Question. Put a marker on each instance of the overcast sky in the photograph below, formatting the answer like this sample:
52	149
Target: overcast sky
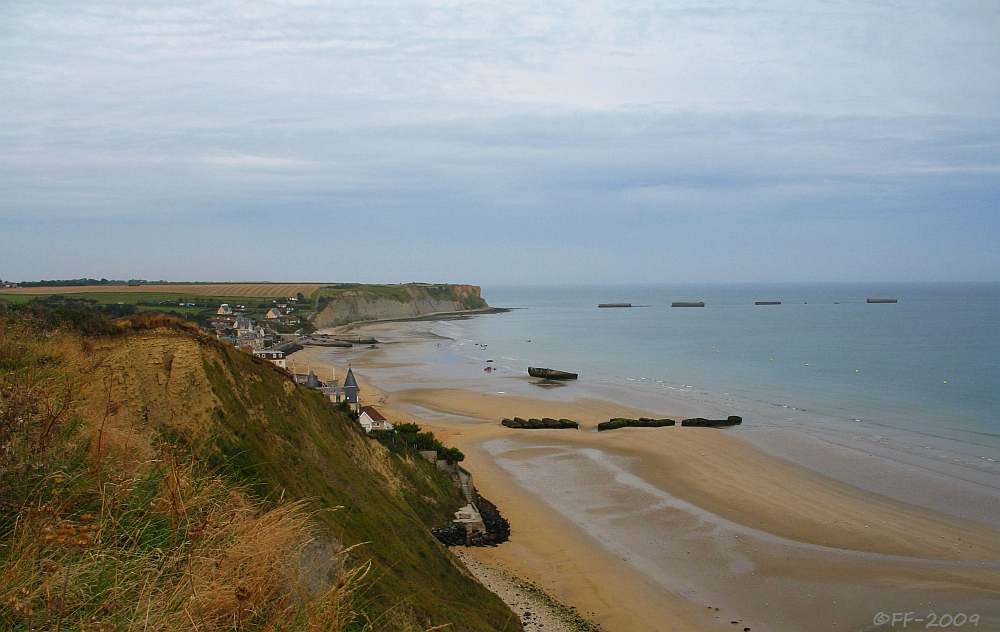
500	142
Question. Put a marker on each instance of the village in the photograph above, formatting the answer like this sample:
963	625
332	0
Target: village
478	523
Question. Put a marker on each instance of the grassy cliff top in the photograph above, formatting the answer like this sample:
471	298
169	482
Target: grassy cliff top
198	302
168	450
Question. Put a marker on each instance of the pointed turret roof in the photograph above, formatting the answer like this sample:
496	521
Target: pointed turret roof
349	381
311	380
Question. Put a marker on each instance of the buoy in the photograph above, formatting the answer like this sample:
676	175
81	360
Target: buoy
772	359
807	364
946	381
856	370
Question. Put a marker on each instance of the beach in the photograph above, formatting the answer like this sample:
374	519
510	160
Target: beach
692	528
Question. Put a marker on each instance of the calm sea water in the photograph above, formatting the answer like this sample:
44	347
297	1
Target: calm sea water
924	371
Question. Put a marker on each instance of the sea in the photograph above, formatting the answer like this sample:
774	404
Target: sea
897	399
921	374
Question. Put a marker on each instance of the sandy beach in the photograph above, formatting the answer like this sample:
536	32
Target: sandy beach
688	528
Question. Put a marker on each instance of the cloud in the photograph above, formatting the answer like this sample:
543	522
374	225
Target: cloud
554	129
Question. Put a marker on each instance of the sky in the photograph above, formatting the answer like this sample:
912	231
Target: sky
503	142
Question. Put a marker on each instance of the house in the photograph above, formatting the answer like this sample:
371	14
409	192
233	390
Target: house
274	357
244	345
225	309
372	419
273	313
351	389
309	380
242	324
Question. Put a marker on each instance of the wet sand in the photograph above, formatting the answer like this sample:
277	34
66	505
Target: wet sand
653	529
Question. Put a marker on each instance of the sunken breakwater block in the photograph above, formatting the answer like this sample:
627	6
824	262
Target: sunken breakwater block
701	422
688	304
642	422
550	374
534	424
882	300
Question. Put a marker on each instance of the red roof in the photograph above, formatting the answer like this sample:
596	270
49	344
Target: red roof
374	414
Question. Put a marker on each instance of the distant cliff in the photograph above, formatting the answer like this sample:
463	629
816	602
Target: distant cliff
348	303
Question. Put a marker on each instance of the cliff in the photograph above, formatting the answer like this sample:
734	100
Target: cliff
211	488
347	303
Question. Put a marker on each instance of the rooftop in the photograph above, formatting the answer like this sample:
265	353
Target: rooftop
372	413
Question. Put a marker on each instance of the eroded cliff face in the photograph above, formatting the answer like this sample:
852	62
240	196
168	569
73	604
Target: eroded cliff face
342	306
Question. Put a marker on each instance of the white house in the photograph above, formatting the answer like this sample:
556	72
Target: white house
225	309
272	356
372	419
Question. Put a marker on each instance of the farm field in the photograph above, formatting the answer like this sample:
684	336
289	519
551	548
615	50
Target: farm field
192	302
174	290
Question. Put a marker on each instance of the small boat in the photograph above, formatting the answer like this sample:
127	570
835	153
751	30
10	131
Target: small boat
767	303
882	300
687	304
615	305
550	374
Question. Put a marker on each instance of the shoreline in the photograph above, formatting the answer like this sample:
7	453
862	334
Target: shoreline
602	551
906	474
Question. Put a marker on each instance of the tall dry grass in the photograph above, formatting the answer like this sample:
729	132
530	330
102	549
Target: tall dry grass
87	545
166	550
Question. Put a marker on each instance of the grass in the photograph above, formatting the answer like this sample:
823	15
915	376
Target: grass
208	297
152	299
243	290
121	508
199	309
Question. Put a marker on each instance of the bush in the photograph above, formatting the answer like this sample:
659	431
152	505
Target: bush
408	436
345	408
451	455
42	318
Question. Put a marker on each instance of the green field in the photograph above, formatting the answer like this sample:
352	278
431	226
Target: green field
198	303
195	308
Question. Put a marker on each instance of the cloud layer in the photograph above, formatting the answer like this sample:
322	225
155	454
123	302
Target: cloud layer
500	142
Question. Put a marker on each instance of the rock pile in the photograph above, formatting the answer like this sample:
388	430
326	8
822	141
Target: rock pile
496	525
